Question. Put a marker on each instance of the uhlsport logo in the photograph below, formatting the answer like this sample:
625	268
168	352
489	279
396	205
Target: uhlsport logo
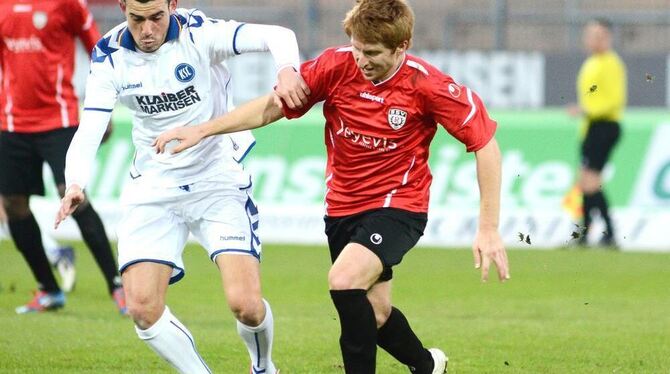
184	72
376	238
397	118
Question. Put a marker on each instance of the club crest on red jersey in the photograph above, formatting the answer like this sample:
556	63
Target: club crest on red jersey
40	20
397	118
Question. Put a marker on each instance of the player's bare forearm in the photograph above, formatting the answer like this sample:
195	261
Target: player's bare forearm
488	247
251	115
489	179
254	114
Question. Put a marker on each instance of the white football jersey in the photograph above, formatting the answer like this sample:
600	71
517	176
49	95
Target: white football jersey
185	82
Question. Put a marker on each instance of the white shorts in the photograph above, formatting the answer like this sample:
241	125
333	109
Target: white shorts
156	222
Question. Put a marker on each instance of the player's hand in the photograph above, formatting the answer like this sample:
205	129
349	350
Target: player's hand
574	110
488	248
177	139
74	196
291	88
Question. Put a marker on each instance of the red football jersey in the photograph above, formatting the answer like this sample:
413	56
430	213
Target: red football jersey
37	57
378	135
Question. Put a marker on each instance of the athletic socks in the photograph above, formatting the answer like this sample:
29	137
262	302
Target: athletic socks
174	343
93	233
598	201
397	338
259	343
26	235
358	339
50	247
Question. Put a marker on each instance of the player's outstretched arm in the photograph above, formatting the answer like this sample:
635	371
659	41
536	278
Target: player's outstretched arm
488	246
74	196
254	114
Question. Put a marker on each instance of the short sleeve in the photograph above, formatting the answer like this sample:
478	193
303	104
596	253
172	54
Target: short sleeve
317	75
461	112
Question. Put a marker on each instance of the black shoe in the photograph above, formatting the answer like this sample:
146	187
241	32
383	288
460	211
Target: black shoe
608	242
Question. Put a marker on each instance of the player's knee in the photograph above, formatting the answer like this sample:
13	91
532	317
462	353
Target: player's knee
248	310
16	207
340	280
382	313
145	310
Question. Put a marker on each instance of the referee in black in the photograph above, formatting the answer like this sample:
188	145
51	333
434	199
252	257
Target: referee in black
601	90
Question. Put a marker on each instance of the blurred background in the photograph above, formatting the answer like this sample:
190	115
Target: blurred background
521	56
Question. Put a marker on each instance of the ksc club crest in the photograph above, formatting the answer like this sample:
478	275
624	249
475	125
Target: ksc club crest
40	20
397	118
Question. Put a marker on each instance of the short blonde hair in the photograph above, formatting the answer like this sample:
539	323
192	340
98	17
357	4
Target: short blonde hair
389	22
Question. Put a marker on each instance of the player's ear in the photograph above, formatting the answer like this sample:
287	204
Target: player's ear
122	5
173	6
404	46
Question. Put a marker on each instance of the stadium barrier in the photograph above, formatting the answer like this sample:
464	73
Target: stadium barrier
540	161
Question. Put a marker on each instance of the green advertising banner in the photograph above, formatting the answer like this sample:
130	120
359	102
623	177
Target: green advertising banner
540	163
540	160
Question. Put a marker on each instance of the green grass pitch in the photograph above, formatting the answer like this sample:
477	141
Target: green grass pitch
563	312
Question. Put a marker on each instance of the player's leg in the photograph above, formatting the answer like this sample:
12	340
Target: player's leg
354	271
395	335
255	323
60	257
151	241
21	176
598	145
53	149
145	284
228	231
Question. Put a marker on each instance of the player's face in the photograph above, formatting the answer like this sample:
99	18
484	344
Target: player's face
149	22
376	61
596	38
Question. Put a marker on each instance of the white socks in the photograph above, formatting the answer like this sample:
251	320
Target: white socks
259	343
174	343
50	245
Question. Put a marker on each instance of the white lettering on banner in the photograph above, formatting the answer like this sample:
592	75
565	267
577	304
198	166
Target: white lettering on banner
542	185
502	79
653	184
638	229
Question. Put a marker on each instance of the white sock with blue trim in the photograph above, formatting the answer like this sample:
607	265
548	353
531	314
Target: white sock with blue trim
174	343
259	343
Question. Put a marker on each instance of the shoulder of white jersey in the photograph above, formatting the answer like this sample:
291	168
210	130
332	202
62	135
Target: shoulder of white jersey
193	20
108	44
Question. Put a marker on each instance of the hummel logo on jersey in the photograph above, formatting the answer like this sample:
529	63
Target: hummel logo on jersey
397	118
166	102
369	96
184	72
130	86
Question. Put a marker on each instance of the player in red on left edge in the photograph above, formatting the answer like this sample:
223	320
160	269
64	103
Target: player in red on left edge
39	114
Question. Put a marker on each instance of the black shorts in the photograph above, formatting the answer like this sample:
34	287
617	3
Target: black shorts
388	232
600	139
22	157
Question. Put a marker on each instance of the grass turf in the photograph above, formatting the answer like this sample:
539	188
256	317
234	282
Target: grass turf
562	312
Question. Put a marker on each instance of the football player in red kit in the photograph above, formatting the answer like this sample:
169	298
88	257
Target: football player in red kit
382	108
39	114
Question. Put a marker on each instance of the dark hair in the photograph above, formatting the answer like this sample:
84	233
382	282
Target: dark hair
603	22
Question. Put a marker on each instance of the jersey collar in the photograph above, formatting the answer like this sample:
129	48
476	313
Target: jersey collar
174	28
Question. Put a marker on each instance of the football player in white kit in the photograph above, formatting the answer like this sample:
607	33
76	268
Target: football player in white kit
166	65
